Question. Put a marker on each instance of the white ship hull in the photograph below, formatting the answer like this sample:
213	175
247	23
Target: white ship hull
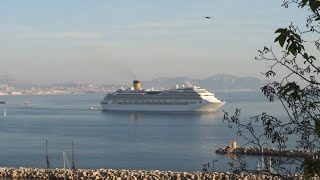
201	107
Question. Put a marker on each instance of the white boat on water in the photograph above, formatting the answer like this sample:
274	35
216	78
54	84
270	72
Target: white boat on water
94	108
27	102
193	99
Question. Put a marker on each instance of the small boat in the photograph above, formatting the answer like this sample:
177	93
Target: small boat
3	102
95	108
27	102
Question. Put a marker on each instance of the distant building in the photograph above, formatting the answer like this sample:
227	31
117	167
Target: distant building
15	93
6	87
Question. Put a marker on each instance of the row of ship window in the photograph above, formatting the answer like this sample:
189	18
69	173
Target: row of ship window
163	97
158	102
159	94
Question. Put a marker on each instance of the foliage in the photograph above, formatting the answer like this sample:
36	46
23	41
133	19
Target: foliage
296	87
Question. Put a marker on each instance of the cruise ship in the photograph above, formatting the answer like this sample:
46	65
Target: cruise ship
193	99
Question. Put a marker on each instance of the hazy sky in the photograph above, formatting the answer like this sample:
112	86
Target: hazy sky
52	41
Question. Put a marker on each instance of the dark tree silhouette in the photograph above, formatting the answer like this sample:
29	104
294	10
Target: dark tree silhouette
294	70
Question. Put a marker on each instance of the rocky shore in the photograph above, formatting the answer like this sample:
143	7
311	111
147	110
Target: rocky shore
99	174
265	151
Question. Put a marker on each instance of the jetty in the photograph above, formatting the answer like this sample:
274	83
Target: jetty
256	151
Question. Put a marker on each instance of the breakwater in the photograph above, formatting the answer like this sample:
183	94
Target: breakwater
99	174
266	151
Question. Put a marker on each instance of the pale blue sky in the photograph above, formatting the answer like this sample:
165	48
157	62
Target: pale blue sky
50	41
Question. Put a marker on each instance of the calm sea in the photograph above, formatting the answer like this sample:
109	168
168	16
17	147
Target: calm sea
118	140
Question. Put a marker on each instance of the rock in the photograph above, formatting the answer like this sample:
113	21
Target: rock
101	174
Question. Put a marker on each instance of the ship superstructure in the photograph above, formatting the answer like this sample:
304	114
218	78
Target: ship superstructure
176	99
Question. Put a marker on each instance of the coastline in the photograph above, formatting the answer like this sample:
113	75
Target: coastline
56	173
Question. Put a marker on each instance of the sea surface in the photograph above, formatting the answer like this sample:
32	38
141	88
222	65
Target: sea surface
119	140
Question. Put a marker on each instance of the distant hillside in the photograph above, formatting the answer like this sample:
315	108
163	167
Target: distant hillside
220	82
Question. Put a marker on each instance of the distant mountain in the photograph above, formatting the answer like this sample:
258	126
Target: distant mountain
219	82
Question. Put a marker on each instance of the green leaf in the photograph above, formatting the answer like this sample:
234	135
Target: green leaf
291	91
297	36
281	30
317	127
312	57
303	3
311	167
292	49
314	5
282	39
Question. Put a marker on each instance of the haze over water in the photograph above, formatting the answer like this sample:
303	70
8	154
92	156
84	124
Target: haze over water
114	42
118	140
